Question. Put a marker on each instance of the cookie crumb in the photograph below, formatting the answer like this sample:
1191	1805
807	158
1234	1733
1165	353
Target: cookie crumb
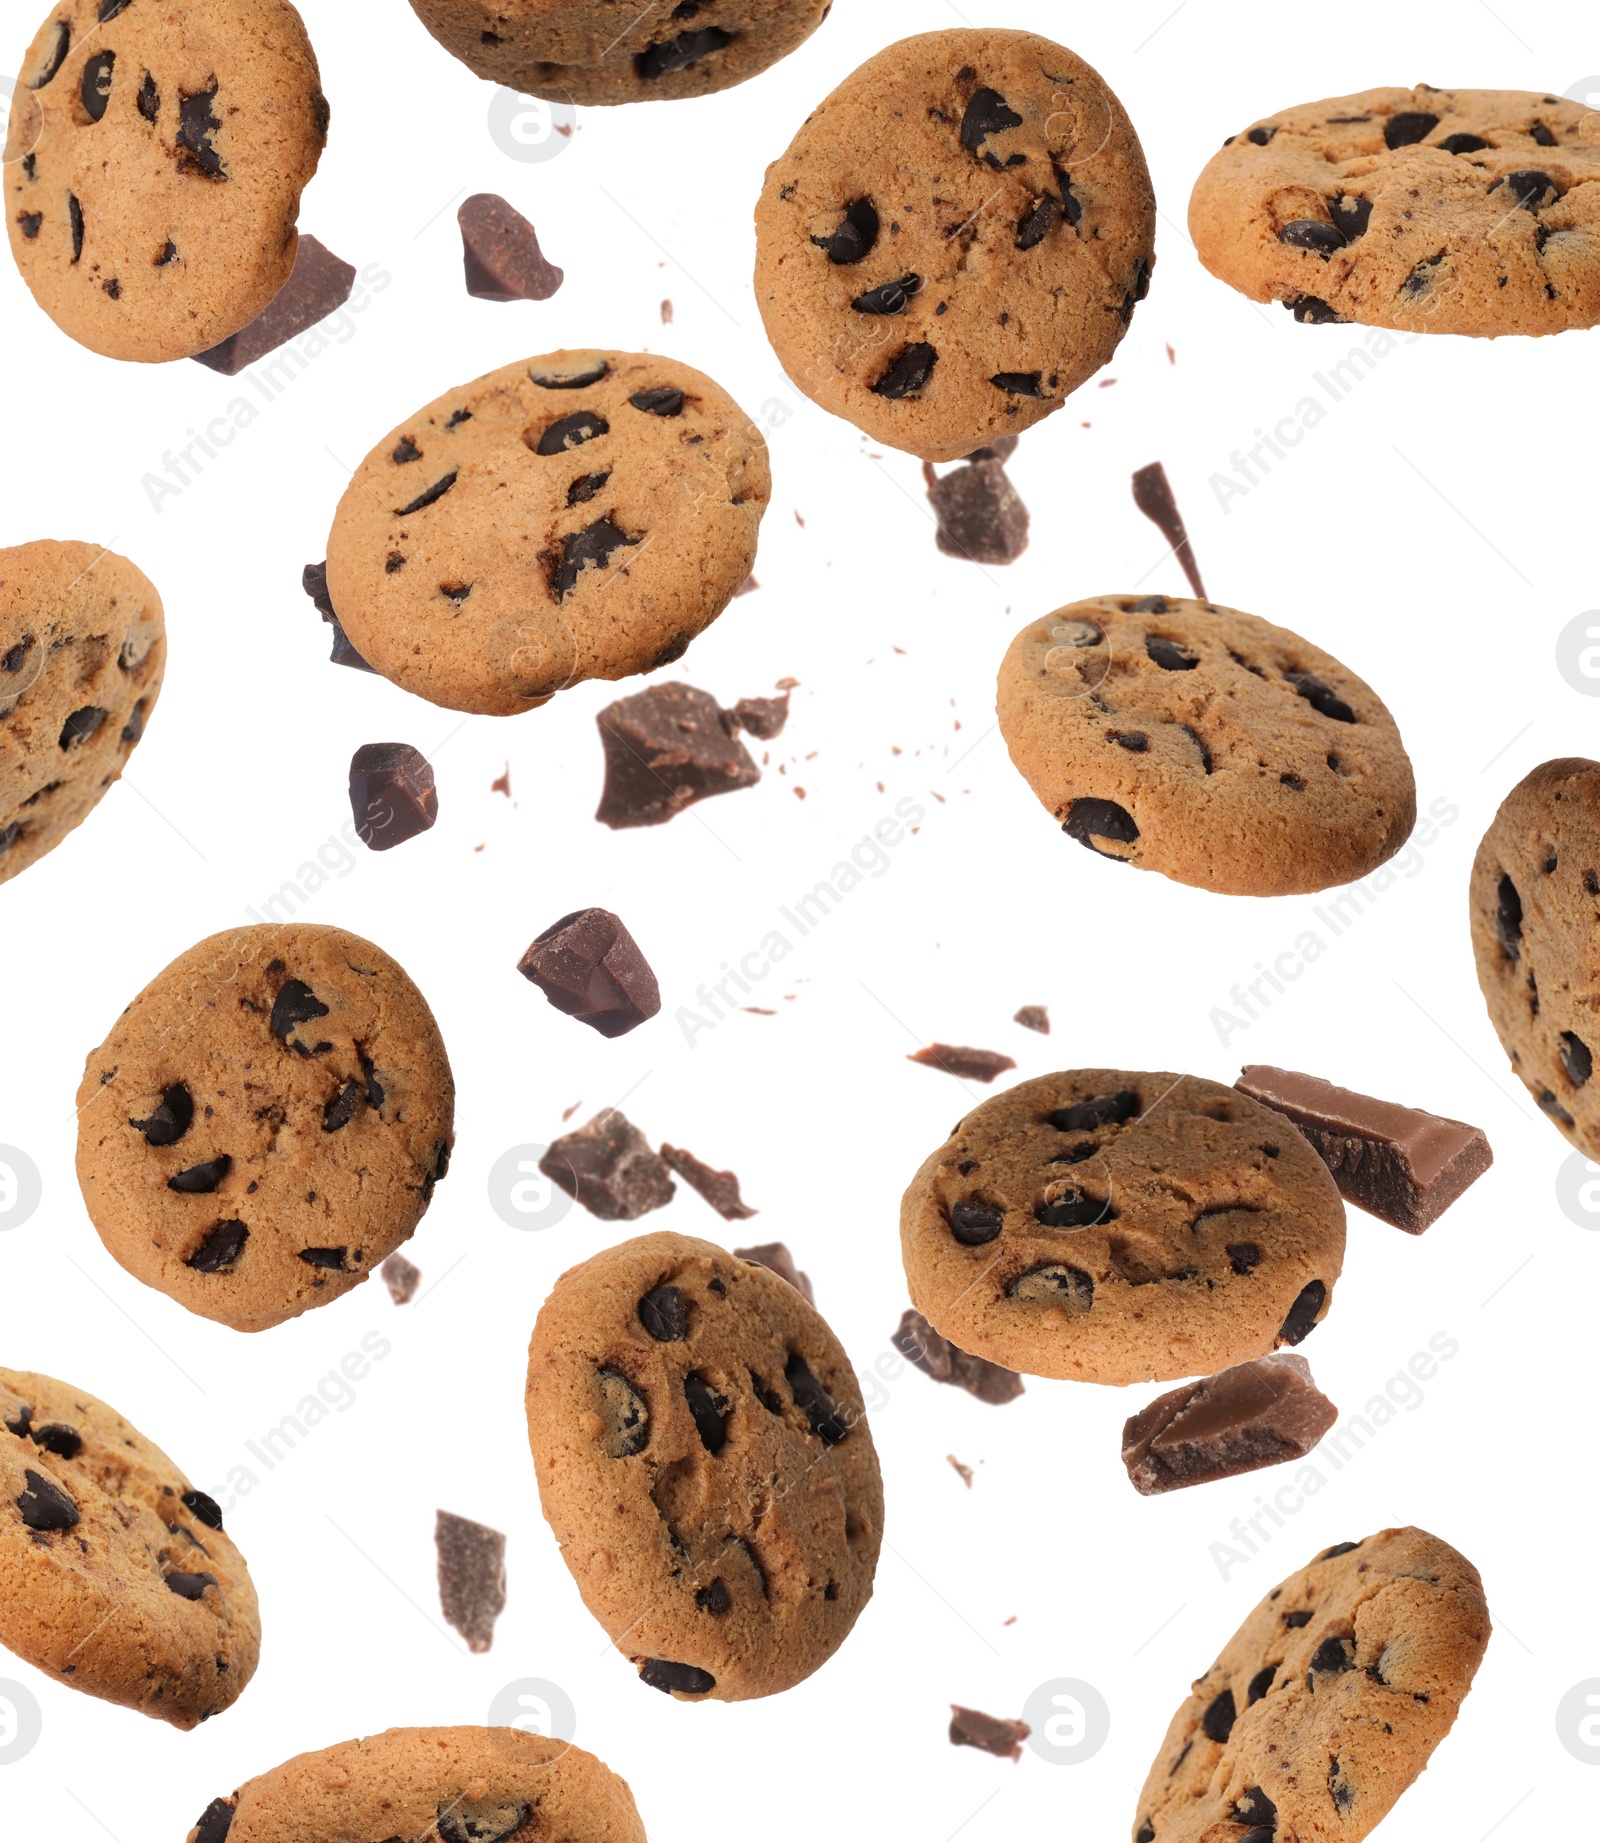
472	1577
964	1472
401	1278
989	1733
501	784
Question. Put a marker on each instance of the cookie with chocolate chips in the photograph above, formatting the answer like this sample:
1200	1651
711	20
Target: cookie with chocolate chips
582	515
153	168
453	1785
1102	1226
1429	211
1207	744
265	1123
1535	900
116	1575
82	648
704	1459
594	52
955	239
1327	1703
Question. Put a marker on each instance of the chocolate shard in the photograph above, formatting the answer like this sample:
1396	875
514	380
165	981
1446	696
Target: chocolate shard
401	1278
590	967
981	519
472	1577
1254	1415
1034	1017
392	794
500	250
957	1059
719	1188
1152	494
314	580
936	1356
991	1733
1397	1163
665	749
609	1168
776	1256
763	718
318	285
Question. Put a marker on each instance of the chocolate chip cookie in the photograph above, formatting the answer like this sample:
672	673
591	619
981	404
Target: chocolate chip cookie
82	649
582	515
155	158
1535	904
1101	1226
1431	211
607	51
116	1576
433	1785
705	1462
1207	744
1327	1702
265	1123
955	239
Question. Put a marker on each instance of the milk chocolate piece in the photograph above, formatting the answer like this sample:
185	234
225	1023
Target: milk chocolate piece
1034	1017
392	794
959	1060
1397	1163
314	580
1152	494
589	966
472	1577
609	1167
991	1733
318	285
762	718
665	749
1257	1414
775	1254
980	516
401	1278
719	1188
500	249
936	1356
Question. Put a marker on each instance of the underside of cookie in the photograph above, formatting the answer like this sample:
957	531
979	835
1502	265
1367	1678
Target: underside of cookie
1422	210
1207	744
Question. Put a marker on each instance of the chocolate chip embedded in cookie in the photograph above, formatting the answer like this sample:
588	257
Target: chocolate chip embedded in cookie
1207	744
955	239
1101	1226
82	648
1327	1703
580	515
704	1460
1433	211
265	1123
154	164
116	1576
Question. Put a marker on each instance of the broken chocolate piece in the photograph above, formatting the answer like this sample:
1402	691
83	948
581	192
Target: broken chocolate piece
719	1188
401	1278
936	1356
609	1167
968	1064
1397	1163
392	794
972	1728
762	718
590	967
44	1504
676	1679
665	749
980	516
314	580
775	1255
1034	1017
472	1577
1254	1415
1152	494
318	285
500	250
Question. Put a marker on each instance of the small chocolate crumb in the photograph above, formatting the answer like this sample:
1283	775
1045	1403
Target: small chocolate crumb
763	718
401	1278
957	1059
963	1472
1034	1017
990	1733
472	1577
719	1188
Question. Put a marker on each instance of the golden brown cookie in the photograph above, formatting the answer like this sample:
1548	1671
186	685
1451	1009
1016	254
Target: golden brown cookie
116	1576
705	1462
1328	1701
155	158
955	239
1207	744
83	644
1101	1226
265	1123
1432	211
581	515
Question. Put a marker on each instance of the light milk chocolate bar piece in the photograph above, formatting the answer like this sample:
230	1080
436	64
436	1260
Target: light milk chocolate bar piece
1254	1415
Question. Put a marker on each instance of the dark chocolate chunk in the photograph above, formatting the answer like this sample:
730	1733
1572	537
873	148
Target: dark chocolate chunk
487	1821
1054	1284
201	1180
501	254
55	57
975	1223
1576	1059
989	1733
988	113
1351	213
664	1313
1531	189
333	1259
856	236
197	122
392	794
1039	222
75	217
1312	234
936	1356
665	749
775	1256
1074	1210
1332	1658
81	726
1089	819
1019	383
56	1437
1244	1256
95	87
763	718
148	103
709	1411
472	1578
109	9
1408	127
204	1508
189	1586
888	297
215	1822
30	222
402	1278
1146	1833
589	966
907	372
582	491
1256	1414
314	580
318	285
1169	655
1508	918
980	516
429	497
1217	1722
1152	494
714	1599
1338	1549
170	1118
609	1168
1461	144
221	1247
719	1188
676	1679
626	1417
44	1504
297	1004
594	547
1321	697
344	1106
963	1062
572	432
1302	1319
1310	311
579	378
664	400
814	1401
1253	1806
659	60
1102	1110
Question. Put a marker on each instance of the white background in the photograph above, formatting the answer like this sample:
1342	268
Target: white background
1436	531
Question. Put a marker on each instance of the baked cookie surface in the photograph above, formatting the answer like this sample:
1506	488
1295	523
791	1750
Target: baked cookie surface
1328	1701
430	1785
1102	1226
705	1462
116	1577
1207	744
955	239
265	1123
154	164
581	515
607	51
1535	899
82	648
1431	211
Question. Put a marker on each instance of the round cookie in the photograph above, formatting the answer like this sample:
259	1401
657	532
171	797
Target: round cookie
581	515
955	240
607	51
154	164
116	1577
1206	744
1327	1703
82	648
704	1460
1430	211
431	1785
265	1123
1101	1226
1535	899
